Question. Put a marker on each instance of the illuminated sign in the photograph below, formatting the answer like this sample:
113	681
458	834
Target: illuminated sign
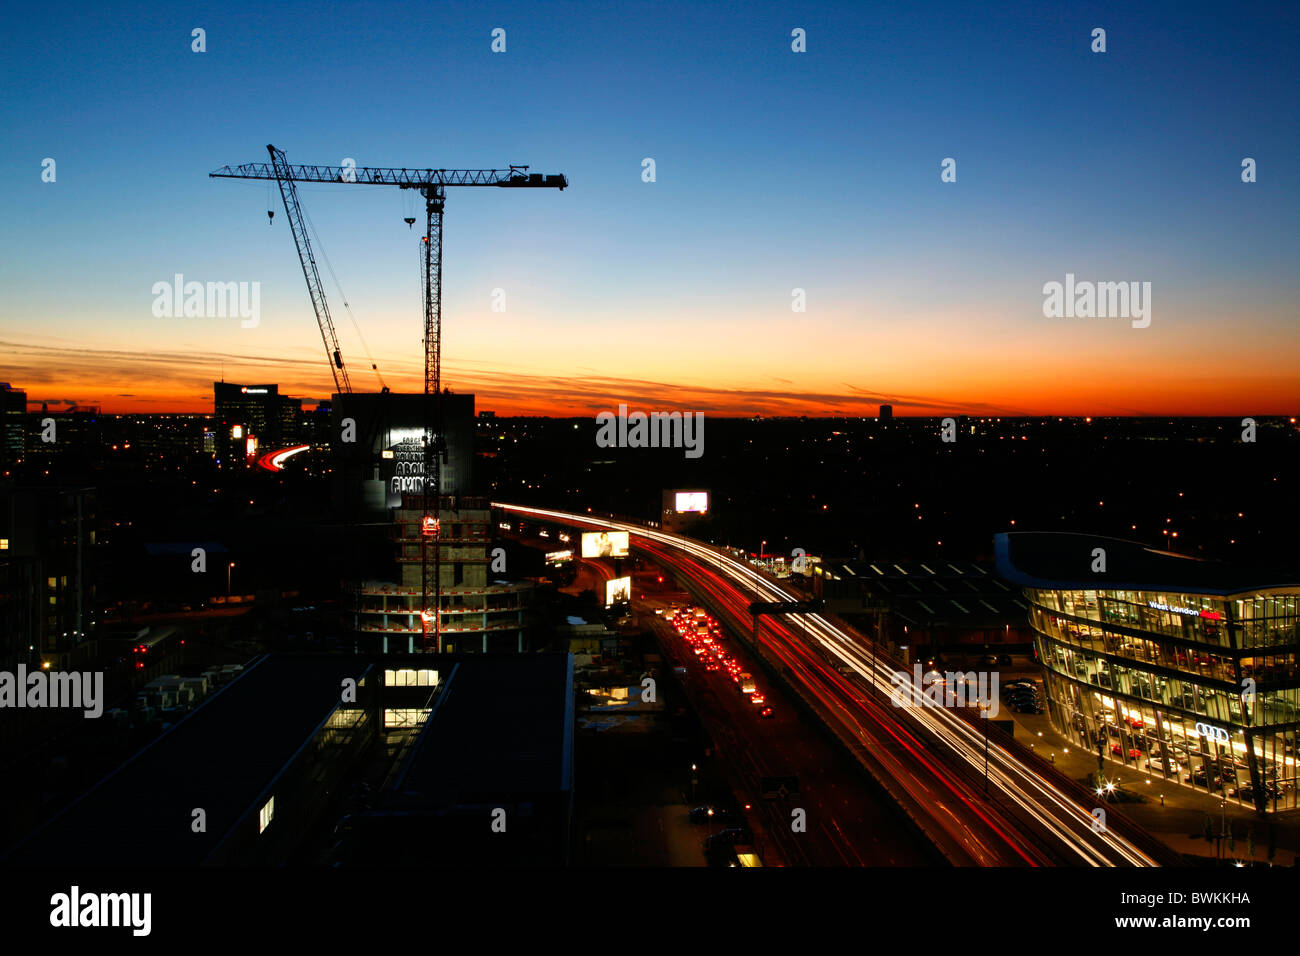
1212	733
398	435
604	544
697	501
618	591
558	556
251	445
407	455
252	391
1189	611
237	431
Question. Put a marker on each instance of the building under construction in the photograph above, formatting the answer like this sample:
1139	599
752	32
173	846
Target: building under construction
378	457
481	611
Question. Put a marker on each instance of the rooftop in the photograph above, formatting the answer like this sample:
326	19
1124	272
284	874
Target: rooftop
1064	561
501	725
220	757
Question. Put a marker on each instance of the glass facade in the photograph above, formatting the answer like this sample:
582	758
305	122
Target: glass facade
1190	688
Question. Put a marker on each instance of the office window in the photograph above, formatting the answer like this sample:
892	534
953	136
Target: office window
266	815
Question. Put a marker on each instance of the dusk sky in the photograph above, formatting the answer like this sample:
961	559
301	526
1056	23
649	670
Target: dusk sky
775	170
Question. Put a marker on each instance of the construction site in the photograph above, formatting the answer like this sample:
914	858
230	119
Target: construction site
410	456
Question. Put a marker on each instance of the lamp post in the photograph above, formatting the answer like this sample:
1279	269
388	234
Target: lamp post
228	569
984	712
1223	822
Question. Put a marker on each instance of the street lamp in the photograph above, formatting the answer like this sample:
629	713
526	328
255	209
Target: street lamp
984	712
228	567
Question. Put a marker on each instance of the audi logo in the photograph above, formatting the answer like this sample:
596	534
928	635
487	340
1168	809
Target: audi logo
1214	733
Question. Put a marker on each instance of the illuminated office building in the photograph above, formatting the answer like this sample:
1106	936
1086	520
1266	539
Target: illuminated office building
1177	667
252	419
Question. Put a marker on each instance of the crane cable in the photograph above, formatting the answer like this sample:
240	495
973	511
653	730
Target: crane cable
344	299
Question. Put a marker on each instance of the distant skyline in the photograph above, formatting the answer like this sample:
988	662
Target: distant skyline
775	171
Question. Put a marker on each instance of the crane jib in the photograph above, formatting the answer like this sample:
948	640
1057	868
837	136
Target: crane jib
407	178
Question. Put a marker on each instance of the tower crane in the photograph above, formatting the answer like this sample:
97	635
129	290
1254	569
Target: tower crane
315	289
432	184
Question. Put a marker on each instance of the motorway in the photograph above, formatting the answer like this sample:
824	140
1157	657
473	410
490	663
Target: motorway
930	758
848	822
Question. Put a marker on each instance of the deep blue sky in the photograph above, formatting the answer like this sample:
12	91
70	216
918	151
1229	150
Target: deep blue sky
775	170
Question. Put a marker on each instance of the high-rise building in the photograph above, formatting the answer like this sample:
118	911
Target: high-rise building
48	599
253	419
886	412
13	416
377	455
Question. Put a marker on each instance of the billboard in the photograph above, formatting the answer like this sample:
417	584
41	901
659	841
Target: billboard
604	544
692	501
618	591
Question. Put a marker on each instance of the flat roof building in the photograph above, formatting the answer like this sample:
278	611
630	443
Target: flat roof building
490	779
927	607
255	757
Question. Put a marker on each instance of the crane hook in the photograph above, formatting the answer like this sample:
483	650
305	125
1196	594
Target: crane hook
270	215
410	221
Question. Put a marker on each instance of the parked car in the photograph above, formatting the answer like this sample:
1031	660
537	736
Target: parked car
1164	764
1021	693
1004	660
1247	792
1199	778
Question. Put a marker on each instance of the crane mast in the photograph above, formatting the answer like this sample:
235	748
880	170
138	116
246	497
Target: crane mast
432	185
434	444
